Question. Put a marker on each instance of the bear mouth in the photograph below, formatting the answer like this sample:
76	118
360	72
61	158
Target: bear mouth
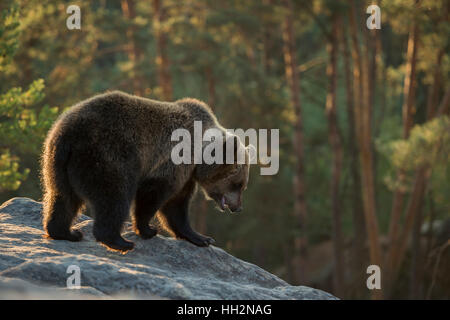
222	203
220	200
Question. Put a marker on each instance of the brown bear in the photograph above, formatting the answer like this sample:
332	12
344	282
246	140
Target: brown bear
112	153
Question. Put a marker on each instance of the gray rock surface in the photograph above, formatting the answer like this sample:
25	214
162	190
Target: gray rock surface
36	268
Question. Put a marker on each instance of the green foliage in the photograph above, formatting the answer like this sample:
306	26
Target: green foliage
22	127
9	33
427	145
10	177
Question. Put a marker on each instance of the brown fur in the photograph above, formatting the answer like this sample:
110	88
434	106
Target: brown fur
114	149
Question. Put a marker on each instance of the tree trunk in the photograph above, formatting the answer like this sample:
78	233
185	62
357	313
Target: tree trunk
134	52
359	237
409	91
431	220
414	205
397	204
363	127
292	75
383	86
445	103
162	59
371	57
336	147
432	99
415	280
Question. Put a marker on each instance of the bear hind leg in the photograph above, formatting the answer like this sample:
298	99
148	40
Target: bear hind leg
59	213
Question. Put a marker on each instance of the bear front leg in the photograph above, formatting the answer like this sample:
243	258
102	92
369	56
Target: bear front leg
176	214
149	197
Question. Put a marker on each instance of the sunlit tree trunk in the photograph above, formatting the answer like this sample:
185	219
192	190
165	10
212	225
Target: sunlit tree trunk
363	127
371	56
383	83
292	75
134	52
336	147
394	248
162	59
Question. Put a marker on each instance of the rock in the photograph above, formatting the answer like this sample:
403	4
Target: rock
34	267
13	289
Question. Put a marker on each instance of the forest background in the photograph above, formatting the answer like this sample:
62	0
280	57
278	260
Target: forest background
363	116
